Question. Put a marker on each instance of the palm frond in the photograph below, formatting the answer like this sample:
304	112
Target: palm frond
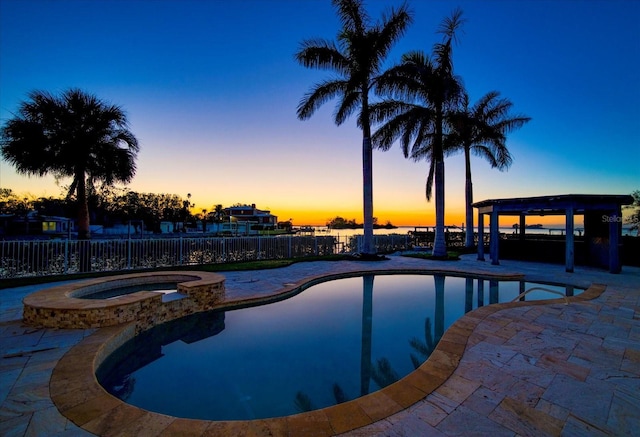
430	178
452	25
320	94
485	152
393	129
352	15
391	29
349	104
322	54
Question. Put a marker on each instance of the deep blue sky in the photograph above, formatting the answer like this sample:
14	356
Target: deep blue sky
211	89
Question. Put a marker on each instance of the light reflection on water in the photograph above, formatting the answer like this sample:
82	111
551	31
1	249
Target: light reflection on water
335	341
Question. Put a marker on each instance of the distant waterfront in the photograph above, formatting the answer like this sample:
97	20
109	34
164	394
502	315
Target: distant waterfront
553	230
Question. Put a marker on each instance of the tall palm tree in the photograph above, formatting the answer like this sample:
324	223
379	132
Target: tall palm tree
357	58
634	218
74	135
482	129
425	93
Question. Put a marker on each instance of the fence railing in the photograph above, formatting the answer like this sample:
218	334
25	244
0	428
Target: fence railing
60	257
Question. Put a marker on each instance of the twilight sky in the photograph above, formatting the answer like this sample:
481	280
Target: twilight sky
211	89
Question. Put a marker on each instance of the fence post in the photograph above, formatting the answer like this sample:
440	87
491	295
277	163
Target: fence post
180	252
289	253
129	251
65	267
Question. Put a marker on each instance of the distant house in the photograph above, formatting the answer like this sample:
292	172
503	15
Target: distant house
256	219
167	227
52	225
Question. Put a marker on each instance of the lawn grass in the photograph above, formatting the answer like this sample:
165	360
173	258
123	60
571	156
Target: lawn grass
223	267
451	256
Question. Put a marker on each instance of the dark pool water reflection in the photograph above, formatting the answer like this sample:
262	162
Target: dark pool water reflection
335	341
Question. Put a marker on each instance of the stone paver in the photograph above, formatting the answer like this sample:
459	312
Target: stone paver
537	370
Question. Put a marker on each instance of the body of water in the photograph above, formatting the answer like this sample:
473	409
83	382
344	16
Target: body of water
335	341
550	230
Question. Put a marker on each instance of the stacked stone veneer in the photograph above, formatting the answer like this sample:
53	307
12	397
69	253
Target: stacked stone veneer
63	306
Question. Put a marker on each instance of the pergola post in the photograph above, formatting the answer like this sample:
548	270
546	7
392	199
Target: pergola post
569	243
614	241
494	238
592	206
480	236
523	226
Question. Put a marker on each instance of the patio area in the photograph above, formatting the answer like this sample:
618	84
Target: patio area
532	370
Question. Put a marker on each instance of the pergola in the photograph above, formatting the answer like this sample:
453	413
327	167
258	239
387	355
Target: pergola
599	211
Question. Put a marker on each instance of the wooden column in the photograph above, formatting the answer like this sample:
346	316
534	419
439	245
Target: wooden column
615	227
494	238
480	236
569	243
522	228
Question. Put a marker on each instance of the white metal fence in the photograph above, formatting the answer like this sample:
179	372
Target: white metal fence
59	257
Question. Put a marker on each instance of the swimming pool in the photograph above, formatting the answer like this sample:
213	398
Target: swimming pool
335	341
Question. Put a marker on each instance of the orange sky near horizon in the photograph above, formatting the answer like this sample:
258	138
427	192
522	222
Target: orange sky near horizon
411	217
397	218
401	208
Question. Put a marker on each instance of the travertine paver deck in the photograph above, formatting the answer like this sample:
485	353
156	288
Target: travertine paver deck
534	370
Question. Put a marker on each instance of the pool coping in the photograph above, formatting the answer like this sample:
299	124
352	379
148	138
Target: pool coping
78	396
64	306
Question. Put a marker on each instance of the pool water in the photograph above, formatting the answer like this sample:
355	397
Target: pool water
335	341
109	293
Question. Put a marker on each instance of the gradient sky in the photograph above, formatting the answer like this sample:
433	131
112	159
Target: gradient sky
211	90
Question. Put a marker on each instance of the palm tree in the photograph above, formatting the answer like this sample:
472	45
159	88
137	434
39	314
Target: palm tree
357	58
74	135
426	92
218	213
634	219
482	130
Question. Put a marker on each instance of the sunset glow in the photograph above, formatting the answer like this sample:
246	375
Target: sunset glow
211	89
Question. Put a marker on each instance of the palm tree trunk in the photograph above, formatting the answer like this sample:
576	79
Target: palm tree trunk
439	244
468	197
367	174
84	234
367	189
83	209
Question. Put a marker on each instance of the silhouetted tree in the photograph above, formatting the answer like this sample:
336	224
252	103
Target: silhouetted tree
357	58
482	129
634	219
426	92
74	135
